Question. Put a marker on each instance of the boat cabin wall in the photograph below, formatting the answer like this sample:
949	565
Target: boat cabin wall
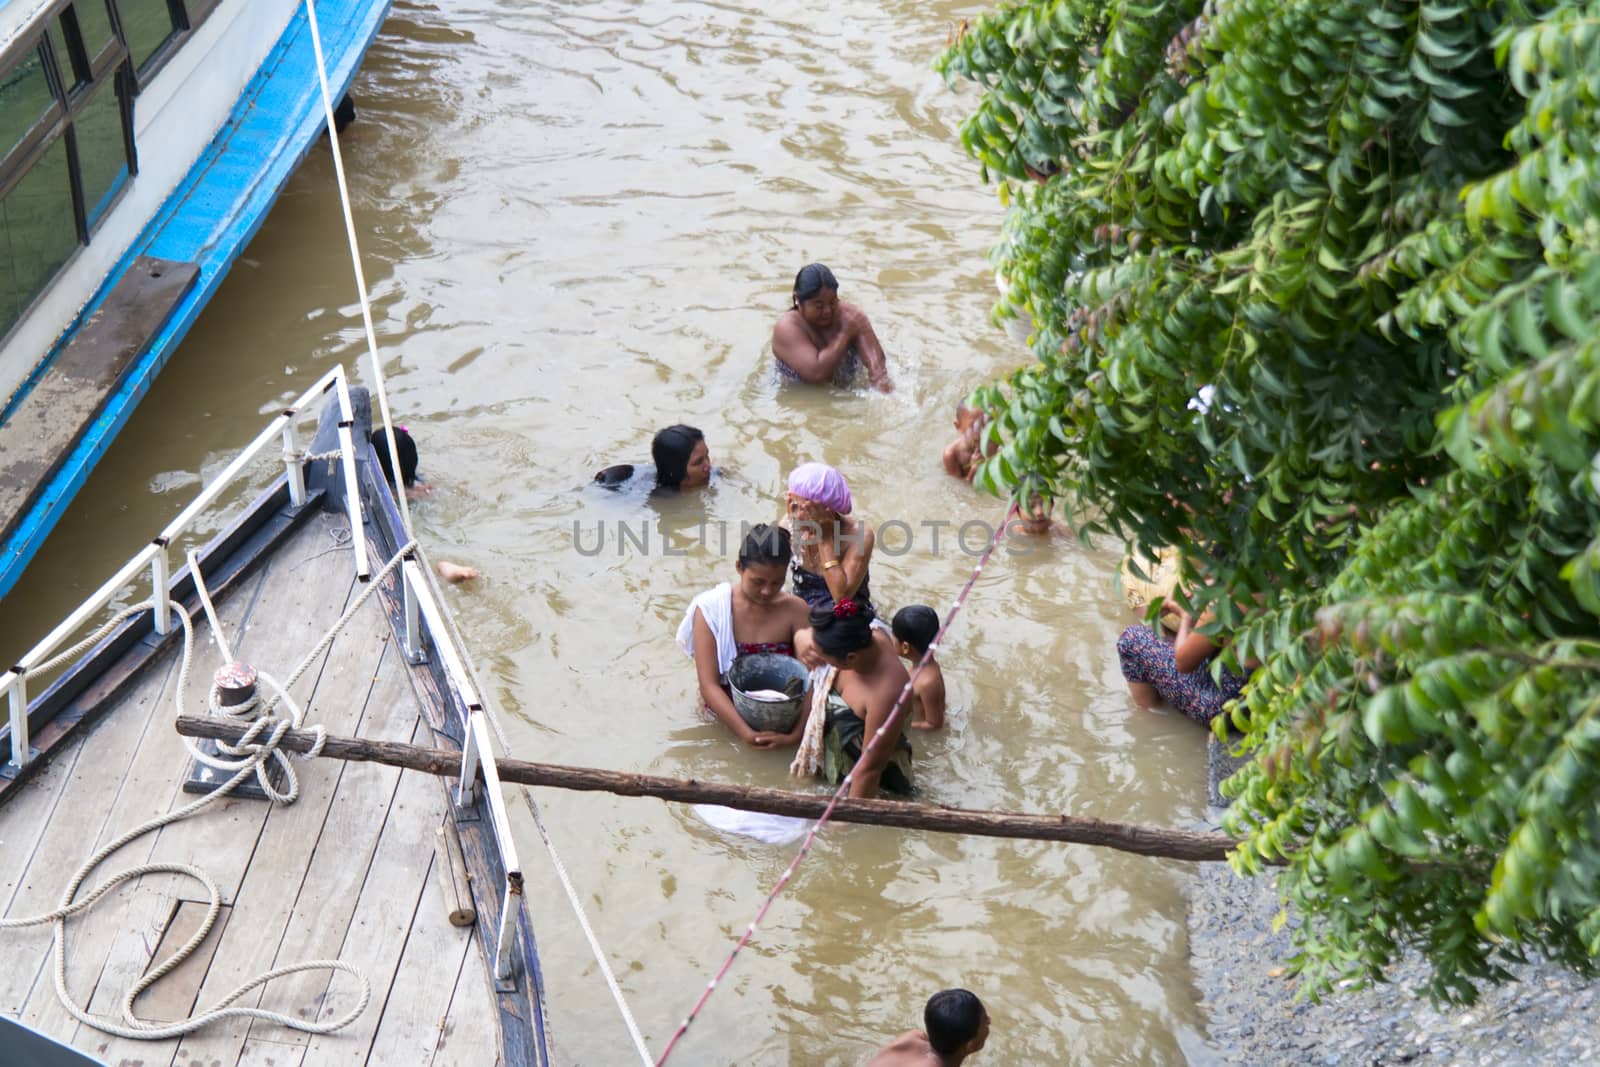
187	88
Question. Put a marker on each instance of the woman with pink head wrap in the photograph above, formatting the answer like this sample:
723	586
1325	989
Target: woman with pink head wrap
832	549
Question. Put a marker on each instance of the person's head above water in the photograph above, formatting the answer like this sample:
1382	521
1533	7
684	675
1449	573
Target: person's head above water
969	417
916	626
821	484
843	634
681	457
812	281
955	1022
764	562
408	455
816	295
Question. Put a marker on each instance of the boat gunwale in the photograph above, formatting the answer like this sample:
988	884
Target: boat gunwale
219	248
520	1010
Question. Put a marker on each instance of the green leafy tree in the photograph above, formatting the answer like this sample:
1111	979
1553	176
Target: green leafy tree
1314	284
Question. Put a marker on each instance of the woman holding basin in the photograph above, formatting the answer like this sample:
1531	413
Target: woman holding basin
752	616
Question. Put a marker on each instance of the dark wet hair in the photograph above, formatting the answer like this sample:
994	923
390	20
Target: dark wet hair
837	635
765	546
916	625
812	279
952	1018
671	450
408	455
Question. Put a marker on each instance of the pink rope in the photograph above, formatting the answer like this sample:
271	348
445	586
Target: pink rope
844	787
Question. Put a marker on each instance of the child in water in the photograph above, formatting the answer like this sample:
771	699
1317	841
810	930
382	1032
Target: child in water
962	455
414	487
867	682
914	630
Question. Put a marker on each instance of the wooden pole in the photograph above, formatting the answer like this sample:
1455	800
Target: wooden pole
1128	837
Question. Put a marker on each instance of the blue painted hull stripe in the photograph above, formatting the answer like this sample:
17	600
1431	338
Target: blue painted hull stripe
208	220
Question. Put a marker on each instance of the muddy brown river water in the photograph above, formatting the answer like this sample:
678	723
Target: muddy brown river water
579	222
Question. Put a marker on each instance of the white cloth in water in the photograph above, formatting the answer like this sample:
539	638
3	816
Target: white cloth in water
771	695
808	760
716	605
773	829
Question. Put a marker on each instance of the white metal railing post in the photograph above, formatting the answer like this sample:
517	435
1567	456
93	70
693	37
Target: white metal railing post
504	958
413	614
442	643
469	770
292	466
352	487
155	556
20	748
160	575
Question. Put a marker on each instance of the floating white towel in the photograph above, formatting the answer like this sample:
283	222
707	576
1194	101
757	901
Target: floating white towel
773	829
716	606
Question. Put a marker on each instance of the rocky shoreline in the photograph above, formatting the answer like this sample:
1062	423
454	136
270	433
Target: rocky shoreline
1549	1016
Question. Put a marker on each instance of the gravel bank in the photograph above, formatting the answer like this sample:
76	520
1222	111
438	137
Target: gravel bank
1549	1016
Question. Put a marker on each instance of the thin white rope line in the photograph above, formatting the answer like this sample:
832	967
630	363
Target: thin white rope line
588	932
136	1028
555	857
211	612
372	585
355	263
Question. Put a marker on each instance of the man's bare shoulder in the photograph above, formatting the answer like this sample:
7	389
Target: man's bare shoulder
910	1049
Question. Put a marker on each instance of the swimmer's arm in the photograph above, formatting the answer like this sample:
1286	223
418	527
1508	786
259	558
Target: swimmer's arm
930	696
1190	650
705	669
846	578
815	366
872	354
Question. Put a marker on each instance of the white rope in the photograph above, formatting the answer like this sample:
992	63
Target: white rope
555	858
133	1026
355	262
405	508
249	757
588	932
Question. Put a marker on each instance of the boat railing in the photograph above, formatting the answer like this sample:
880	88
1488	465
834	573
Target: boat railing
425	627
424	618
157	555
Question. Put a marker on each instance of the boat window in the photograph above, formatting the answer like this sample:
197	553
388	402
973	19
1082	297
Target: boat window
102	151
94	24
74	59
24	98
146	26
38	231
94	21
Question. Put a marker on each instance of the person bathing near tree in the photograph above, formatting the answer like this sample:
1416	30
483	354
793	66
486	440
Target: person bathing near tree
821	339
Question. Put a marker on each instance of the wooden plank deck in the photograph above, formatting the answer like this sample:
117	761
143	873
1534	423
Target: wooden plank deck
344	872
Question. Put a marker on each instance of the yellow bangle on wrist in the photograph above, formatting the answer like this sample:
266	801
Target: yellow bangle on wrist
830	564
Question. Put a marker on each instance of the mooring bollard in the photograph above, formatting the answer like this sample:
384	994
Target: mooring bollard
236	684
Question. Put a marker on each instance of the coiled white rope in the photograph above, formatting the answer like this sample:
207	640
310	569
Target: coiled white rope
250	753
132	1026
